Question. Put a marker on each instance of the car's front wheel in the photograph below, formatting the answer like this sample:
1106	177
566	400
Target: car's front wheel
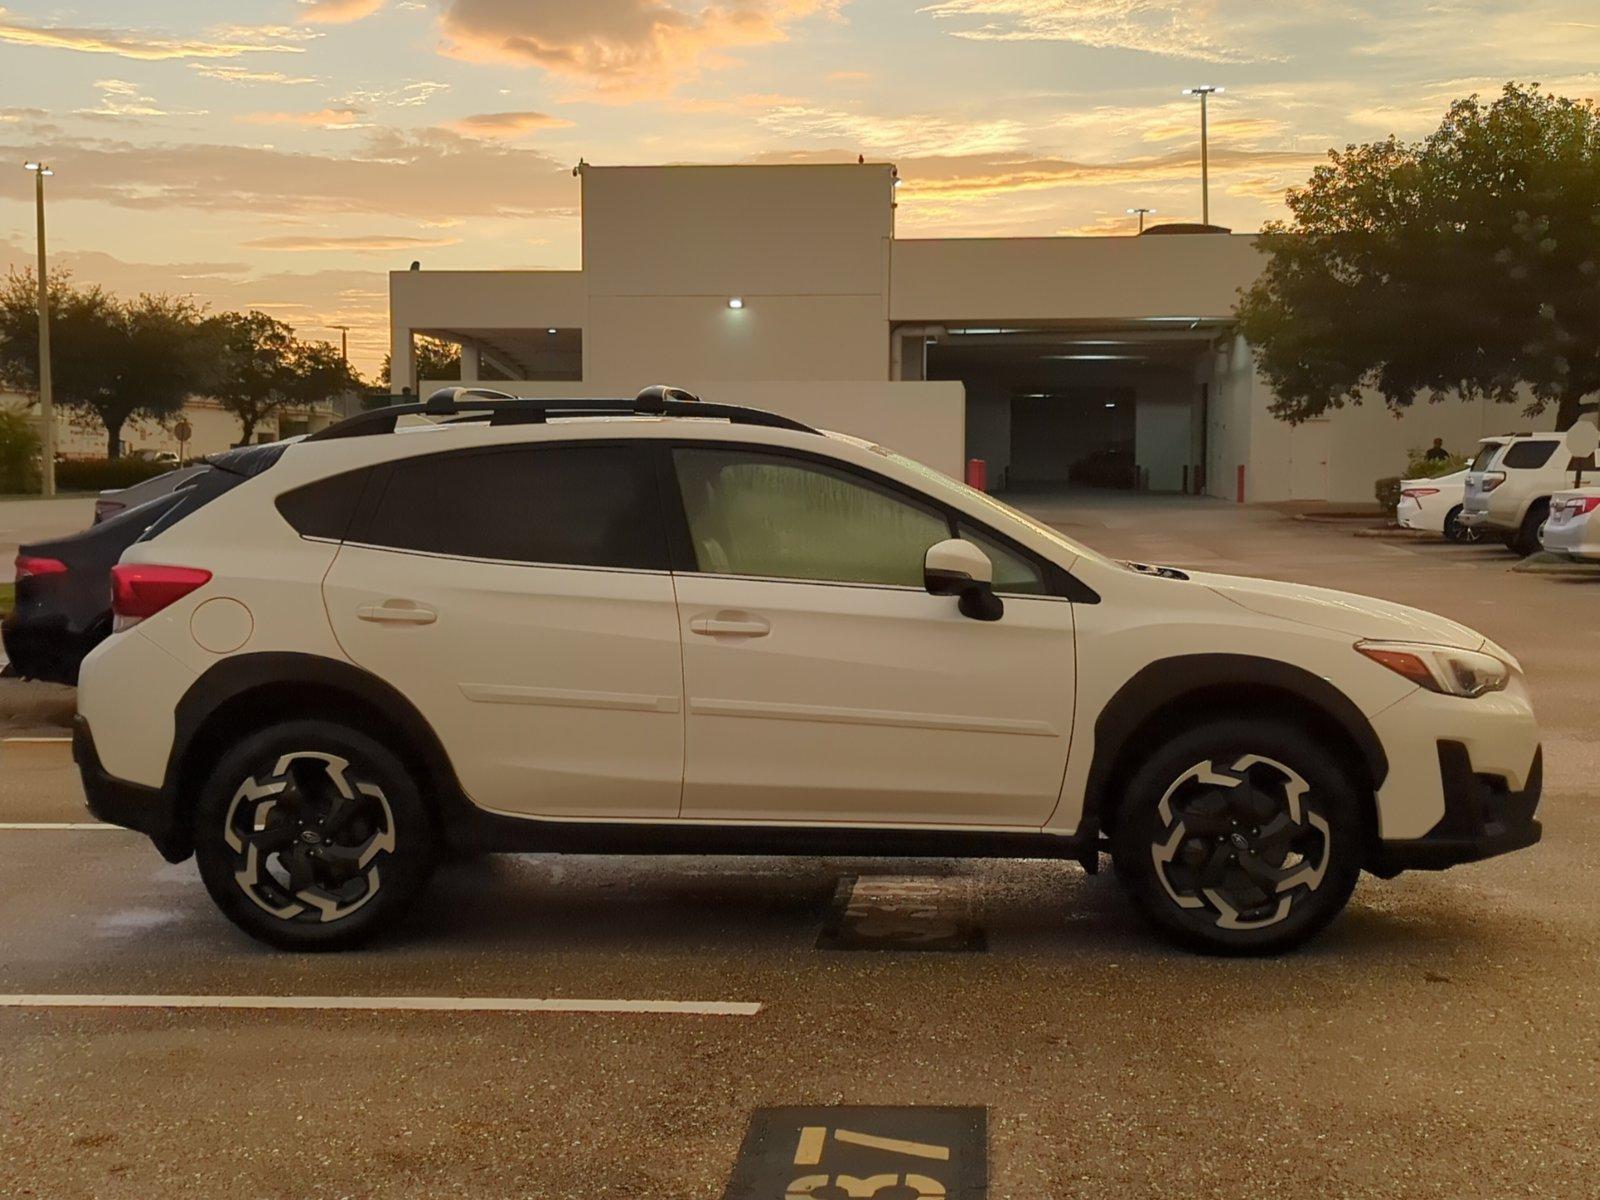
1239	837
312	836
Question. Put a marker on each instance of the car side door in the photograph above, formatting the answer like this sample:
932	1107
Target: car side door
824	684
519	597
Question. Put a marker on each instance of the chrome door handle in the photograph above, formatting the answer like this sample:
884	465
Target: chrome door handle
722	625
397	613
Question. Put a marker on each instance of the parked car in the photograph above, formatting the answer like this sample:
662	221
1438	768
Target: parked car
1509	485
63	594
663	626
155	456
115	500
1574	525
1434	506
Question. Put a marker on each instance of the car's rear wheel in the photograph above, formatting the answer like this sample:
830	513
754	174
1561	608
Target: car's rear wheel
1240	837
1526	541
1455	531
312	836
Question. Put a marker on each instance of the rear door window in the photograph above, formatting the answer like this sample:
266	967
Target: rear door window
569	504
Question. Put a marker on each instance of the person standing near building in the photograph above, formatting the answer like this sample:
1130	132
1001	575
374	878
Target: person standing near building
1436	451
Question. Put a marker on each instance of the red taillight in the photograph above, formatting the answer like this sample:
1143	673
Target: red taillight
1418	493
1490	482
140	590
1579	505
29	565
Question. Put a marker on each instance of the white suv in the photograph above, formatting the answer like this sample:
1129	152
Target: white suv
658	625
1509	485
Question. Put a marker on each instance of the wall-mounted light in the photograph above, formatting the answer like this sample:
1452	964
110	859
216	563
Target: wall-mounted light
735	302
1111	404
551	331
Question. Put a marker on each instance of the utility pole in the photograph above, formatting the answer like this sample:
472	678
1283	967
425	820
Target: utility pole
1142	212
1205	91
47	407
344	341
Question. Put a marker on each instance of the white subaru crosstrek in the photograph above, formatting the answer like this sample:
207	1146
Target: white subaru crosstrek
658	625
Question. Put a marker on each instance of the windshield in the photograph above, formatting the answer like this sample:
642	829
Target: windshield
1485	453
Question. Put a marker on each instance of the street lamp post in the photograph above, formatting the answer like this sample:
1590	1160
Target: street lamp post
1205	91
47	408
1143	213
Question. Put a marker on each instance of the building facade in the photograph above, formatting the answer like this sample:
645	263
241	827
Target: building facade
1099	361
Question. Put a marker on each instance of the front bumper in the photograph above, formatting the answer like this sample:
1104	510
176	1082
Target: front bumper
1483	817
150	811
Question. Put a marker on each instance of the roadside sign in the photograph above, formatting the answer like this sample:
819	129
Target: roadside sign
183	431
863	1153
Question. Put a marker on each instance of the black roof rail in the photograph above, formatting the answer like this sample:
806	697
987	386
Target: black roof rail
498	408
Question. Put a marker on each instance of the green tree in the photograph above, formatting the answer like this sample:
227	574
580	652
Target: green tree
19	451
253	373
1465	265
436	359
115	360
318	372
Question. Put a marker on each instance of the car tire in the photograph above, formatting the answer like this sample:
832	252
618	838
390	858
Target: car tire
313	836
1455	531
1526	541
1240	837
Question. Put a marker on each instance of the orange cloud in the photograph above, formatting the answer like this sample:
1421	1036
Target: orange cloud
326	118
336	12
358	244
504	124
230	43
1173	28
626	48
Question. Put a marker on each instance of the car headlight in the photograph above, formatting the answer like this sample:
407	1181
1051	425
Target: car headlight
1443	669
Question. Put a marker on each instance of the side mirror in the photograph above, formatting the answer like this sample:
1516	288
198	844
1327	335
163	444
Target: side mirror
957	568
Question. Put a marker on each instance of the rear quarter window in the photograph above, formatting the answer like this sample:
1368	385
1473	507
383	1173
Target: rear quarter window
324	509
1526	456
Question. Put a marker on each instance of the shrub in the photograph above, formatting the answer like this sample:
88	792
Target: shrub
19	452
1387	491
98	474
1419	466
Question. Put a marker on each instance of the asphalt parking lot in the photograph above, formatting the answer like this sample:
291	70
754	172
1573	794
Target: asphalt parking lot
1441	1040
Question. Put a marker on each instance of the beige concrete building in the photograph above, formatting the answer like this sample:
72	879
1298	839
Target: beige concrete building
1100	361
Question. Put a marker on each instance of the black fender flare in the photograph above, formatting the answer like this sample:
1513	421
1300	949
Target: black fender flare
232	678
1169	681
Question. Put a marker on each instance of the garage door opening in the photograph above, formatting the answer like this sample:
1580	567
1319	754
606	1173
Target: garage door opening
1101	406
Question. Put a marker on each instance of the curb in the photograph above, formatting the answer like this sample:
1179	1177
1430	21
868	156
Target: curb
1545	563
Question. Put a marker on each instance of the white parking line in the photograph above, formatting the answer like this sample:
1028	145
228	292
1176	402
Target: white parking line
6	826
509	1004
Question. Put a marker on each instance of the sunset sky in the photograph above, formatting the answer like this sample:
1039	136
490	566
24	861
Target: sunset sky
285	154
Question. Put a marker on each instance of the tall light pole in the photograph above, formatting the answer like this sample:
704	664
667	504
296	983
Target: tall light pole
344	341
1205	91
1143	212
47	407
